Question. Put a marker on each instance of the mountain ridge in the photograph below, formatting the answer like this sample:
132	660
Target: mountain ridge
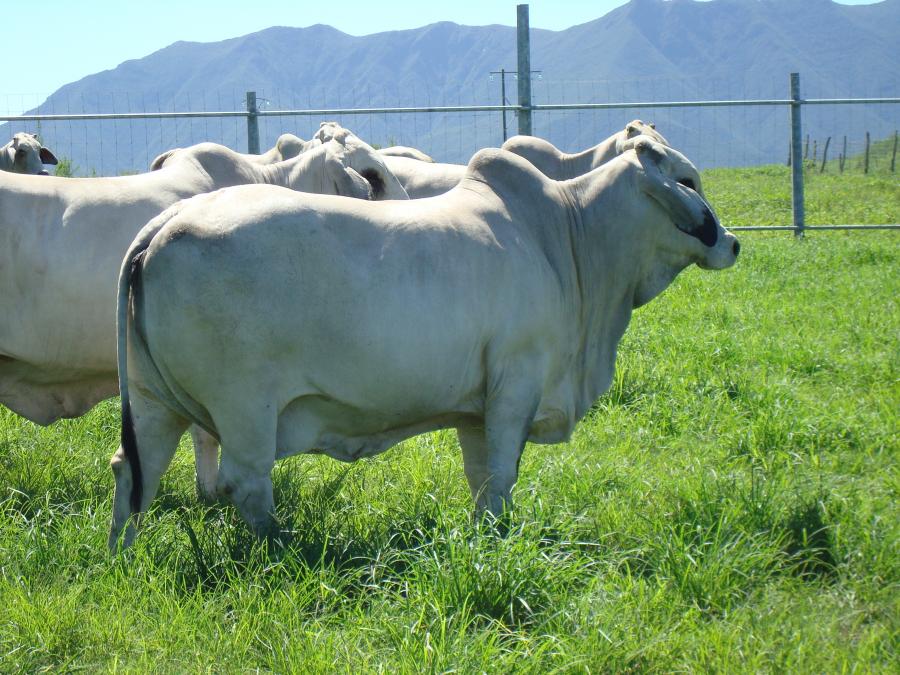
682	48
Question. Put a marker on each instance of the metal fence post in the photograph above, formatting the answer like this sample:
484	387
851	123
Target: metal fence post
503	101
523	46
252	124
797	157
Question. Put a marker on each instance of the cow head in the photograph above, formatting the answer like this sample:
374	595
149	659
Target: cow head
688	229
25	154
634	129
364	159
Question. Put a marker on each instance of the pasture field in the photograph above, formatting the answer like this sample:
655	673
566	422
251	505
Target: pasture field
731	505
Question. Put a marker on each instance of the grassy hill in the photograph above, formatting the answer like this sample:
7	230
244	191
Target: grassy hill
730	505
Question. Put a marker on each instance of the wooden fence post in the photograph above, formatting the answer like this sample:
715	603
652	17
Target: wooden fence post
825	154
866	165
843	157
894	153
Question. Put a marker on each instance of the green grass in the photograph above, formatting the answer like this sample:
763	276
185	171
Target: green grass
762	196
729	506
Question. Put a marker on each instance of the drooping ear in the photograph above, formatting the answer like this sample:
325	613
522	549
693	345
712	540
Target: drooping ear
344	180
48	157
687	209
347	182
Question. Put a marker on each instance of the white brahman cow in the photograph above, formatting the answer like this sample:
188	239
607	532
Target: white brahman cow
420	179
61	246
287	146
425	179
559	165
405	151
359	156
495	308
25	154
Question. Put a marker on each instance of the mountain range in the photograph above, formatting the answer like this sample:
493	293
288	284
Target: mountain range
645	50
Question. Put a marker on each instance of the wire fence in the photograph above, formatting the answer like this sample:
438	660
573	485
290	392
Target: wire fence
715	123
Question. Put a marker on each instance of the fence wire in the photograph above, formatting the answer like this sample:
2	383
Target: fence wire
748	126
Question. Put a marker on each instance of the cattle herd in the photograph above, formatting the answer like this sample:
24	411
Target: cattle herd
327	297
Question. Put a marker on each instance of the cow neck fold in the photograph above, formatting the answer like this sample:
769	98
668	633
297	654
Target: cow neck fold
580	163
275	174
586	247
291	173
605	258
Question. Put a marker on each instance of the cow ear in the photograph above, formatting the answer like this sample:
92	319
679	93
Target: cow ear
687	209
157	163
347	182
651	125
48	157
354	185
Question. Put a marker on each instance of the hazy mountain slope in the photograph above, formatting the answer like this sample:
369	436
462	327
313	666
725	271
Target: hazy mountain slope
645	50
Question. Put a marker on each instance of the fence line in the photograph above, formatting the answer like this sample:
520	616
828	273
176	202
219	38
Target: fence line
540	107
252	113
792	228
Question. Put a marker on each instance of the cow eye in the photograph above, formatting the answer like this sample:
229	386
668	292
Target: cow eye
687	182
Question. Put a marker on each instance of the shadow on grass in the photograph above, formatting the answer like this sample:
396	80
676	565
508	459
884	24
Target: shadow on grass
810	546
316	534
421	552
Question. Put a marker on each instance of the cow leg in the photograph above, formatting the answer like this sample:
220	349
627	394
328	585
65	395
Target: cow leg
206	457
245	473
157	431
491	461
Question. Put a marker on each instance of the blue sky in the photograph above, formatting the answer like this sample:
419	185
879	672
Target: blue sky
54	42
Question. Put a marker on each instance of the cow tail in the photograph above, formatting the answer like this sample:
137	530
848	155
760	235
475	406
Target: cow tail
128	292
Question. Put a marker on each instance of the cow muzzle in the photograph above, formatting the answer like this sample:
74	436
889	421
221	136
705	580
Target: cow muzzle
723	254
